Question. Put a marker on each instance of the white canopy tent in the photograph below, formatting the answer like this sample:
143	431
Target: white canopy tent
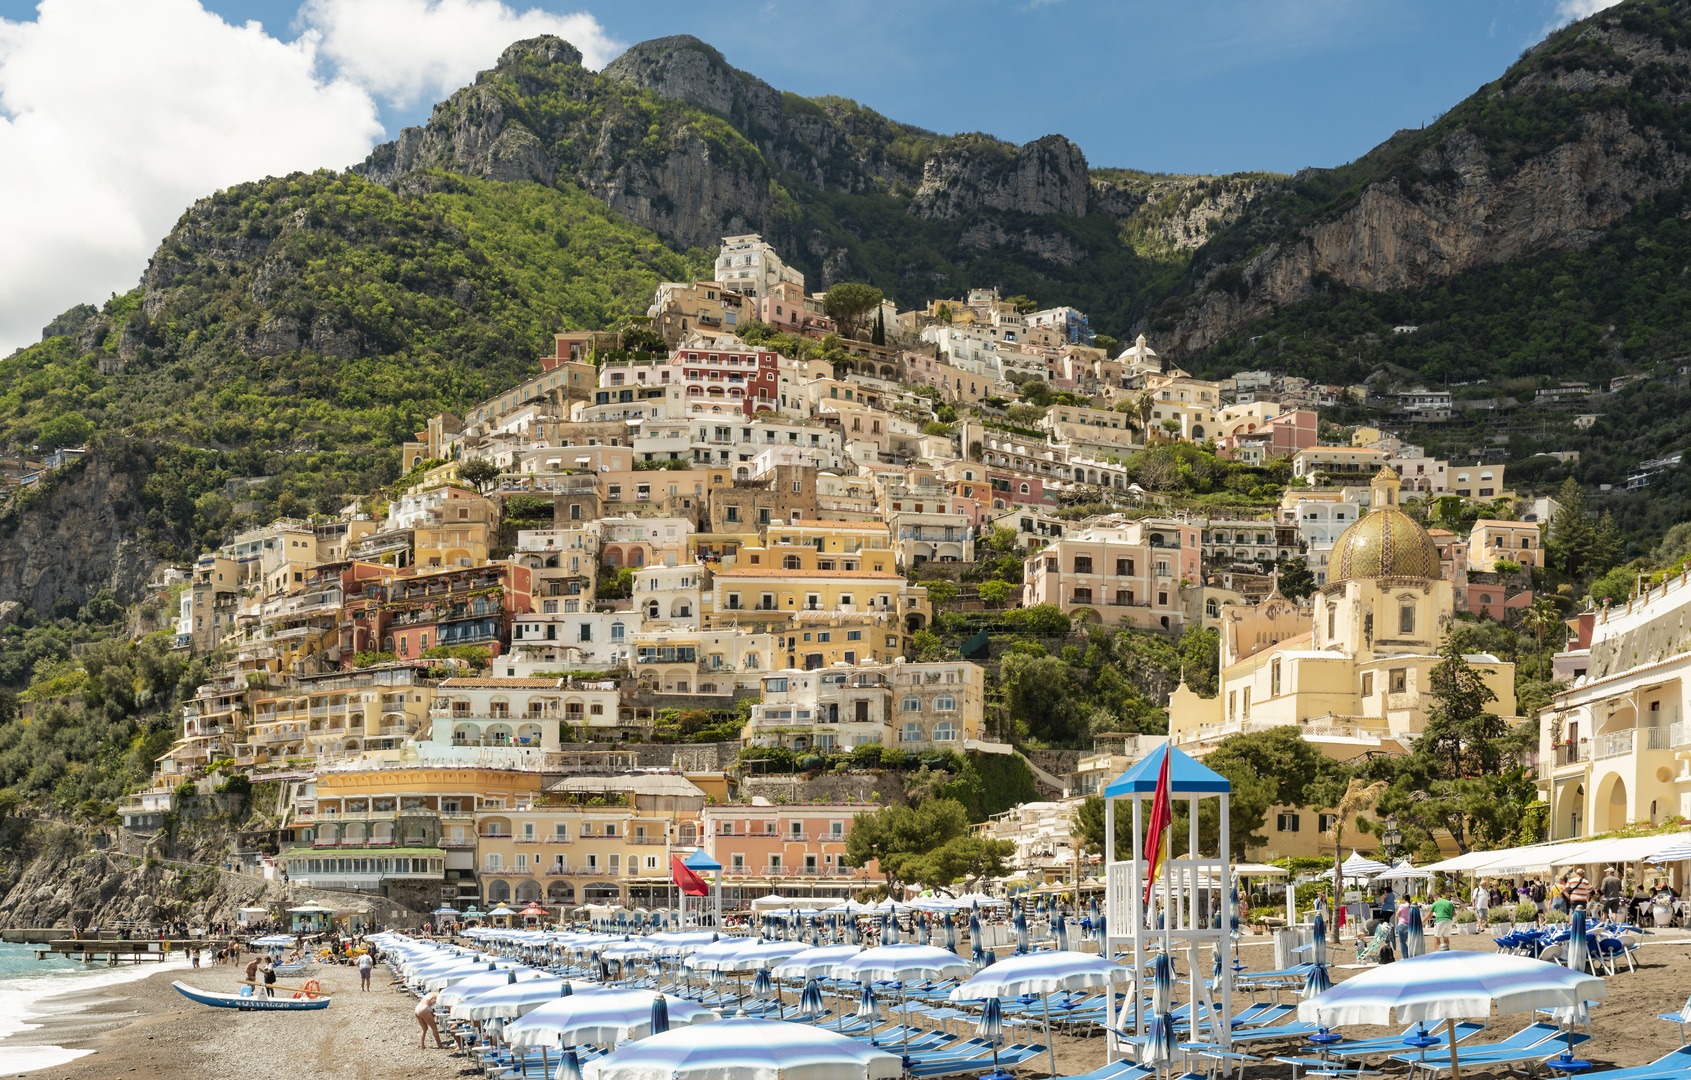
1542	858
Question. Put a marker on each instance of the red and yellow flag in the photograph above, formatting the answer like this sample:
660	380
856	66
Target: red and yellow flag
1162	816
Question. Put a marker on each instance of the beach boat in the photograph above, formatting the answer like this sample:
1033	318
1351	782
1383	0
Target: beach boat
257	1002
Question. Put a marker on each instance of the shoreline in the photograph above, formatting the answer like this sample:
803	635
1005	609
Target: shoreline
145	1027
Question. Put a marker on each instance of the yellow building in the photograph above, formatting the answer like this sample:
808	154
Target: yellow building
799	583
336	716
1357	681
590	839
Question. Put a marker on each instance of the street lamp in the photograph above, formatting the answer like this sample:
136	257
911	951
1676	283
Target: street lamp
1391	837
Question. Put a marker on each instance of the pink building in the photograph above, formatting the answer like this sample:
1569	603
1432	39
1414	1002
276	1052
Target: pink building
794	850
746	379
1279	436
1127	576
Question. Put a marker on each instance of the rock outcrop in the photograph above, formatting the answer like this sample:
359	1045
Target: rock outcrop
1047	176
1460	202
76	537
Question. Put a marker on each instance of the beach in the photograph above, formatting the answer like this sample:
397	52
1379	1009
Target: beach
145	1028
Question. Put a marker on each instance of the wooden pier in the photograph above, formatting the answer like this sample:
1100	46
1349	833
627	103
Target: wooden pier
110	949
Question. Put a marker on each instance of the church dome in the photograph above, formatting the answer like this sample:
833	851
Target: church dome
1384	543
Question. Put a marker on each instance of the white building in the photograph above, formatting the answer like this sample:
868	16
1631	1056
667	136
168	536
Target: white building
750	267
668	594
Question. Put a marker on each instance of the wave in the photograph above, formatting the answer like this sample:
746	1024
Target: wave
28	998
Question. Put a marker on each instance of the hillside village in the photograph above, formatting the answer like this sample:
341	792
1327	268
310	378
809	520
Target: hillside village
706	581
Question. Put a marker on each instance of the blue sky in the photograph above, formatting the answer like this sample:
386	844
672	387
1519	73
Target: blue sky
1190	86
115	115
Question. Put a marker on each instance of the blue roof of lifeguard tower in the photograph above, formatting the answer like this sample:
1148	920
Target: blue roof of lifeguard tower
699	860
1186	776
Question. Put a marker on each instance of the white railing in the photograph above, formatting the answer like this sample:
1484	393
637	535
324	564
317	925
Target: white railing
1614	744
1680	734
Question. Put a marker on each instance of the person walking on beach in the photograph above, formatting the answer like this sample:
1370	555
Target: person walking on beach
252	973
365	963
1611	887
425	1017
1444	921
1482	903
269	979
1579	891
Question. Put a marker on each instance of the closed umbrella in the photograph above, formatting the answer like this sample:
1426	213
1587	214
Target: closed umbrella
991	1025
951	931
867	1006
1415	942
569	1066
660	1015
810	1002
1578	950
976	944
1318	981
744	1048
1060	931
1159	1050
1451	986
1021	925
891	935
763	988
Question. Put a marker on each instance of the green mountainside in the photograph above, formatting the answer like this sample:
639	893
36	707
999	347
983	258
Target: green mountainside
300	328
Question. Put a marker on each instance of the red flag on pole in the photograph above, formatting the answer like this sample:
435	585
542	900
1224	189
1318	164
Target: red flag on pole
1162	816
691	883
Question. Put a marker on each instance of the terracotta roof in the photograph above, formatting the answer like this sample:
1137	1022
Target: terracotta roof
497	683
751	572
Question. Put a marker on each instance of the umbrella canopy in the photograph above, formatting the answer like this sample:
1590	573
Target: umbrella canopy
1403	871
1358	866
1451	986
628	950
747	1049
902	963
569	1065
476	984
815	963
750	956
607	1016
1672	854
518	999
1042	973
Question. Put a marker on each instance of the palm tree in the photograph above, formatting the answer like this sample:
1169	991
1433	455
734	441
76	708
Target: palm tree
1359	795
1144	404
1541	618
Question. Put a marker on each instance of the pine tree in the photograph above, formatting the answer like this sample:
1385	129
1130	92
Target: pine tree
1571	535
879	337
1605	545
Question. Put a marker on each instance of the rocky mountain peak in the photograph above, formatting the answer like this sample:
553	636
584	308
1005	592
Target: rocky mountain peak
547	48
683	68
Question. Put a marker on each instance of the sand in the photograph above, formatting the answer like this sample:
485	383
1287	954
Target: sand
146	1029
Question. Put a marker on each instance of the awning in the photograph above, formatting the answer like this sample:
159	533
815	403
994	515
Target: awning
1251	869
1624	849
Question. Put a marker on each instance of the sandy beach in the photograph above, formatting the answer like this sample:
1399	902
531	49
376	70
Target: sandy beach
147	1029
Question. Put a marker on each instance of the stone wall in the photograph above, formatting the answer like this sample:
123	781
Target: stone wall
885	789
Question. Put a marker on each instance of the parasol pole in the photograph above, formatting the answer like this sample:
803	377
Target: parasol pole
1450	1033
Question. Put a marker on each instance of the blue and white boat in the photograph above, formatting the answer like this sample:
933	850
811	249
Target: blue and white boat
255	1002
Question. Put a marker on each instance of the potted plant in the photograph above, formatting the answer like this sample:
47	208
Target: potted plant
1555	918
1526	915
1502	916
1465	920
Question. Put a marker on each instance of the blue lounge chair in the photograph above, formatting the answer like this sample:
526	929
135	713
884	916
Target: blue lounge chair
1674	1065
1682	1017
1535	1042
1007	1057
1379	1047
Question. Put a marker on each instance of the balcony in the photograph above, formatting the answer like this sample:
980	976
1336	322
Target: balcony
560	871
456	842
506	871
1572	753
555	839
525	840
1614	744
797	837
1679	735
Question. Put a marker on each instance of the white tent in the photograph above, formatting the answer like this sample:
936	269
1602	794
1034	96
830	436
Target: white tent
775	902
1404	871
1253	869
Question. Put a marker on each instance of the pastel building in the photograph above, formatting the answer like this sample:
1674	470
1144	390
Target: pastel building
793	849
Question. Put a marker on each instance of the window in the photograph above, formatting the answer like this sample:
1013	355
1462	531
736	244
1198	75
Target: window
1232	704
561	831
1286	822
1325	822
493	861
1368	684
1406	620
946	703
910	704
910	733
1083	564
1247	702
1400	680
1274	679
736	863
1332	621
945	732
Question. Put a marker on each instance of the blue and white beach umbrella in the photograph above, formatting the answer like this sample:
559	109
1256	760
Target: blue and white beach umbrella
607	1016
1578	949
1233	933
951	930
810	1002
1060	931
976	941
762	986
1021	925
890	937
1675	853
1318	981
744	1048
660	1015
569	1065
517	999
1042	973
867	1006
1160	1046
991	1026
1415	940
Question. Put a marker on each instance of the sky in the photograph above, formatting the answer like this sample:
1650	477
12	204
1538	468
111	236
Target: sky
116	114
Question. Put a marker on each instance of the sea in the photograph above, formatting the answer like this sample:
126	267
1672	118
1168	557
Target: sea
31	990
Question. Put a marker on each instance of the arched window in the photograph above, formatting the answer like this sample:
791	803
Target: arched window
910	733
947	703
946	732
910	704
791	562
1024	489
652	610
498	891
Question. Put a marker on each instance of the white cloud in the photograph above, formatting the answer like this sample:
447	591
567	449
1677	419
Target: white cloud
1568	11
407	51
115	115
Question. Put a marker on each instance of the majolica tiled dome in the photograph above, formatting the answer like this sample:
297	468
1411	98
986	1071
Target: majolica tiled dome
1384	543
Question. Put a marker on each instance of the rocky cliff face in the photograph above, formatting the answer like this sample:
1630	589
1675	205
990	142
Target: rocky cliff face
1470	194
76	537
724	144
